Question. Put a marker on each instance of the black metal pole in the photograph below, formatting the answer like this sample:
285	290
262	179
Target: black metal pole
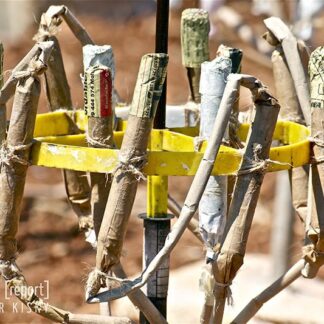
156	229
161	46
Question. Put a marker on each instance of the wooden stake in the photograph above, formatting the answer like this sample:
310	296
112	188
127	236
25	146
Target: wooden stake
59	97
245	196
274	289
282	34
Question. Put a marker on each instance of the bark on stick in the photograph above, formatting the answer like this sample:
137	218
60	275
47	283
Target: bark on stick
245	195
56	13
14	152
282	34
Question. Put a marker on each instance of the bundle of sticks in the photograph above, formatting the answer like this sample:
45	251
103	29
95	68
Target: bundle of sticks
104	206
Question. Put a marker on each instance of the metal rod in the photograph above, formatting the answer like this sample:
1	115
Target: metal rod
161	46
157	289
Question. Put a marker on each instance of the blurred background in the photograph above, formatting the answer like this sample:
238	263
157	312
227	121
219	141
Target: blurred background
50	245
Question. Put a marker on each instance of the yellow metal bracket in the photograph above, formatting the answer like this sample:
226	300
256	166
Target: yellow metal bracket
172	153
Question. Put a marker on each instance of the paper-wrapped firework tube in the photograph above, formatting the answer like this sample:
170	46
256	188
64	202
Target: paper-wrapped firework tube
212	206
235	54
290	110
245	195
314	249
192	200
213	203
99	75
194	44
132	158
290	48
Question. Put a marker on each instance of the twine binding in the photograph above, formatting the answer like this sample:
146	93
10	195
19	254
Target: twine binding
8	155
132	165
320	143
228	291
97	144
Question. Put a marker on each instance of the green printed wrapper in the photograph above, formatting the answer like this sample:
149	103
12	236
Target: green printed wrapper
316	72
98	92
194	37
148	86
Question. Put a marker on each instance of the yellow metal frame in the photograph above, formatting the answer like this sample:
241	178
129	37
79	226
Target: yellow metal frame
170	152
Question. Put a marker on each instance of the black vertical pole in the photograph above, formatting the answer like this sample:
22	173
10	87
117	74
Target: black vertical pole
156	229
161	46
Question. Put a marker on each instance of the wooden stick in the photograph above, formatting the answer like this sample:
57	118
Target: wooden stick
59	97
193	225
284	217
55	12
245	196
206	285
191	203
132	159
140	300
97	319
282	34
194	45
14	152
274	289
8	89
